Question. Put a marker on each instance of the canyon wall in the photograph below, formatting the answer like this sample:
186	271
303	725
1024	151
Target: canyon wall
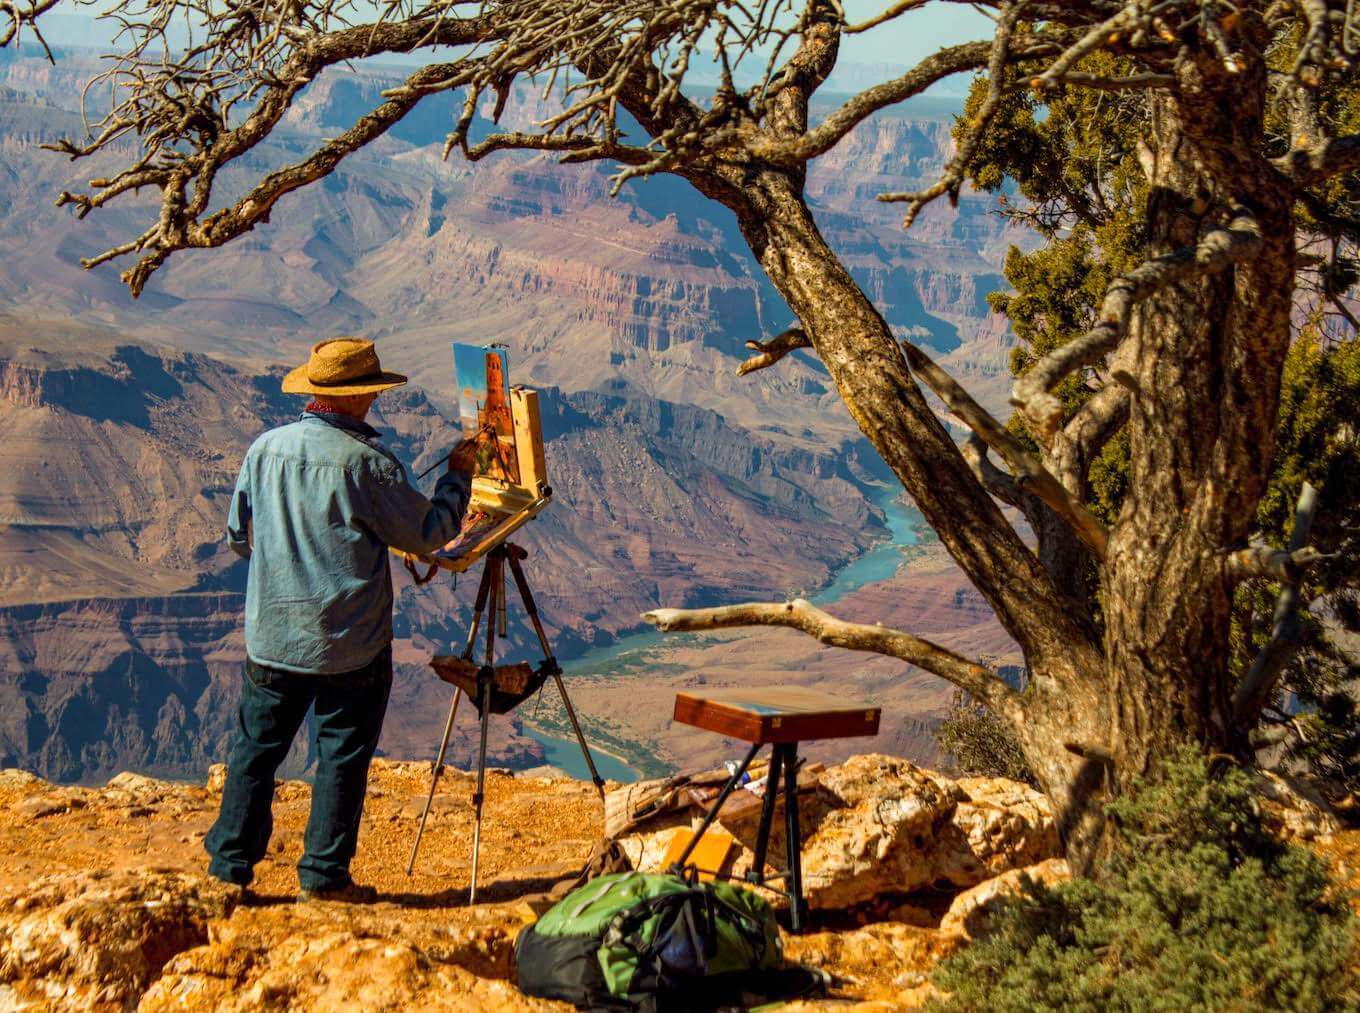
675	482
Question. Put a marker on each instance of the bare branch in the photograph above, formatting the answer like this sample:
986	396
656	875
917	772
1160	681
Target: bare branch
1264	561
956	168
1029	474
21	14
894	11
1129	82
826	134
993	479
1219	248
1327	157
773	350
1091	427
982	683
1259	682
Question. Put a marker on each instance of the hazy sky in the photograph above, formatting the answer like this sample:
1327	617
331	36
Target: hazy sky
905	41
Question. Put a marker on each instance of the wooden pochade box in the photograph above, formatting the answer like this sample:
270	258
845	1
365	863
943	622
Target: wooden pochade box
776	714
782	717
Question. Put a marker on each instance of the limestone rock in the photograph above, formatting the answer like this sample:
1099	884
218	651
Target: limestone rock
1008	825
883	838
217	778
901	828
970	914
334	970
80	939
1293	810
14	779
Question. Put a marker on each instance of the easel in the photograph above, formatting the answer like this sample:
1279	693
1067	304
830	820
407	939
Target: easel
491	602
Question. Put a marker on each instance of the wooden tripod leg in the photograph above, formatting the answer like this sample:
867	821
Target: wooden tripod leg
434	780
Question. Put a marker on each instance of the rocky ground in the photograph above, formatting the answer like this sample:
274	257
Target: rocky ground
104	903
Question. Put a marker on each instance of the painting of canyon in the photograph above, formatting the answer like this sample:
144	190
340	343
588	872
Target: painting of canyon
482	377
674	481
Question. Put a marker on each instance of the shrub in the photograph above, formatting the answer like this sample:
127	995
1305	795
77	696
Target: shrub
980	742
1199	909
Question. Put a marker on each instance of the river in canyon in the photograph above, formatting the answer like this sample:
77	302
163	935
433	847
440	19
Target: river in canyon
904	523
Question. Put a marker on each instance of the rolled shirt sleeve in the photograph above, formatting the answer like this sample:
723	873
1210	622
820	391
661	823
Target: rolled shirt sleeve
401	516
239	516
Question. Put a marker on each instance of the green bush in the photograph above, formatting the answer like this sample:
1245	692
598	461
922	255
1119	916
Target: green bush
1198	910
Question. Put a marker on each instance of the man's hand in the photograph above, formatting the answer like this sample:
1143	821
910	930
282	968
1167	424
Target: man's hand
463	457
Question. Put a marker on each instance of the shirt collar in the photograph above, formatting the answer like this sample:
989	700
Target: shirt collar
346	422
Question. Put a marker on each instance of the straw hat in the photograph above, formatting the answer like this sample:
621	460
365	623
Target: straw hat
341	366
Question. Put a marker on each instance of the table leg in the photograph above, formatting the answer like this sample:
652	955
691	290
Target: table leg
793	837
772	786
712	814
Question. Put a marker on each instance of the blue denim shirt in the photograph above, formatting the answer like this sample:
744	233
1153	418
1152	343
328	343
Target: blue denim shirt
316	505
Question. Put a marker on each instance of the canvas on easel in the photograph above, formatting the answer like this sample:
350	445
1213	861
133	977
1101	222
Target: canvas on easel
509	482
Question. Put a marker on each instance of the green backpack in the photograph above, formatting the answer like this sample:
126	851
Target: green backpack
638	940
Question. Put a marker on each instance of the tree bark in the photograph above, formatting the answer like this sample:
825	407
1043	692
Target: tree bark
1207	350
1206	354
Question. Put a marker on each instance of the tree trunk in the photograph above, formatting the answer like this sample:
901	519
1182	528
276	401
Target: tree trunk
1063	706
1206	355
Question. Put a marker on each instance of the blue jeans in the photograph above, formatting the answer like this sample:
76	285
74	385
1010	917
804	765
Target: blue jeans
274	703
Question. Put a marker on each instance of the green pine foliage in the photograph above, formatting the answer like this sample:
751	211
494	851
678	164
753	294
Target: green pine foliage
1199	909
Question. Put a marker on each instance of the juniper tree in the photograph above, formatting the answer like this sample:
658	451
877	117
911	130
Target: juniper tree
1194	334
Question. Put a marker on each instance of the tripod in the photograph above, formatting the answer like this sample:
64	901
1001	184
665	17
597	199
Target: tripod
491	603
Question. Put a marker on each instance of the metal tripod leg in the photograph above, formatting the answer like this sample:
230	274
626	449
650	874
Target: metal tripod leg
434	780
772	786
580	736
712	813
495	573
481	784
514	554
794	840
482	590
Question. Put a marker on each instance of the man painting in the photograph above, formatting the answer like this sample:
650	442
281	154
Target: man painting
317	504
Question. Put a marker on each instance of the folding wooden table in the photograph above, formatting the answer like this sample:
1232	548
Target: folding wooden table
781	716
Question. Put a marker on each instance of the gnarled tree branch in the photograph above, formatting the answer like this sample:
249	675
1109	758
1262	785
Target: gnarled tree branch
799	614
998	65
1259	682
1267	562
1090	428
1218	249
23	15
827	133
1321	160
993	479
1029	474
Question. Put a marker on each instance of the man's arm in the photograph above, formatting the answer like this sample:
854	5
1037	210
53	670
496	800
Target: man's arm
238	517
404	519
